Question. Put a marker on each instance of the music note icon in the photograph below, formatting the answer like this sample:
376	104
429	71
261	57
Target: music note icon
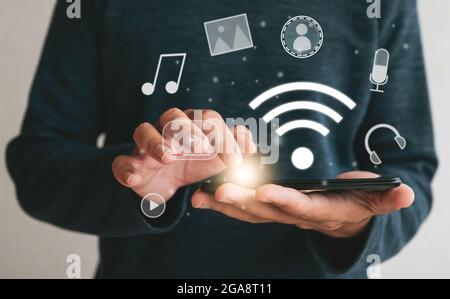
172	86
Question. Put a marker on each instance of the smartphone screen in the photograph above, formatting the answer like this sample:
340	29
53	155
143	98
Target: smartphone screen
251	175
372	184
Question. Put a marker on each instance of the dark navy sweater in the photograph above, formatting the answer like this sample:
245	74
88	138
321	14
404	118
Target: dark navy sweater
89	81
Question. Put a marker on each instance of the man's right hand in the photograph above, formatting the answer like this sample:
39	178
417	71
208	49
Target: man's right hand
150	169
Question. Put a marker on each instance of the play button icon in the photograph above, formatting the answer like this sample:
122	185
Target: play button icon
153	205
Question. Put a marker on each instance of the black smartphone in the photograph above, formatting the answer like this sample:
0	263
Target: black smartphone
374	184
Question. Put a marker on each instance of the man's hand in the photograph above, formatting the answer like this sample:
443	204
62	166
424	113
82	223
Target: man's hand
336	214
152	170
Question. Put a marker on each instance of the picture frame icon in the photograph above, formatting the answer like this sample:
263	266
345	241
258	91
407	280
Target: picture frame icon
228	34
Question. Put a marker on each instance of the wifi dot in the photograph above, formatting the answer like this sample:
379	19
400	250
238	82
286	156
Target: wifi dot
302	158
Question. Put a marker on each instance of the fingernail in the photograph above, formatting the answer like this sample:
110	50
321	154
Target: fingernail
132	179
164	152
263	199
159	151
201	206
224	200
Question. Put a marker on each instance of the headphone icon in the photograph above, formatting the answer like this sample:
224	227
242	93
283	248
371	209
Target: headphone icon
374	158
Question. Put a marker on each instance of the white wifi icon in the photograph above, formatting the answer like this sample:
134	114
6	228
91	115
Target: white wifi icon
302	158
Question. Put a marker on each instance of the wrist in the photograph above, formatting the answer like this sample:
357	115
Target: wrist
349	230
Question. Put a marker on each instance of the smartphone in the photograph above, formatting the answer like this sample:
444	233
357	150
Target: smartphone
374	184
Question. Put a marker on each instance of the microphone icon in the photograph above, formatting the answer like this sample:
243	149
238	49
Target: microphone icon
380	68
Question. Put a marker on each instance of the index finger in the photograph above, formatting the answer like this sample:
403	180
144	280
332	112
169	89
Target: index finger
225	144
150	141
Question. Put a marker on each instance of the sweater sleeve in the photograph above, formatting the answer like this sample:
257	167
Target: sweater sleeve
405	105
61	177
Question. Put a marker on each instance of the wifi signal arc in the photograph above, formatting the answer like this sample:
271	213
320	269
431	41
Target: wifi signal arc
302	124
299	86
306	105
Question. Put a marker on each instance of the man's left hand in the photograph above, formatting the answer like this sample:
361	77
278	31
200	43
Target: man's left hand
336	214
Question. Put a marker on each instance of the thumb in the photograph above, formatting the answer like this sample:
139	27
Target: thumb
394	200
358	175
386	201
126	170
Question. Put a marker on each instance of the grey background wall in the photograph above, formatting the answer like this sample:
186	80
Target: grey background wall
31	249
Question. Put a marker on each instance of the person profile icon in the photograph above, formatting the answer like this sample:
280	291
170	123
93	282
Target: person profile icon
302	43
301	36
